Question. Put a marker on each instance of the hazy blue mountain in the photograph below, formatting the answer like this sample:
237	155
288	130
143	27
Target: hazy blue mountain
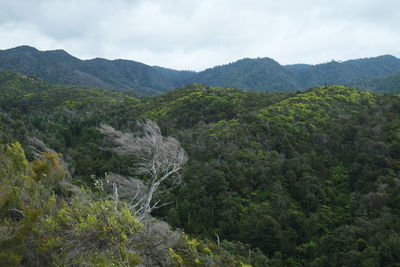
335	72
60	67
265	74
178	78
385	84
260	74
295	67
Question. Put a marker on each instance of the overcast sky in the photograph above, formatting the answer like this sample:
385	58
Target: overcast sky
199	34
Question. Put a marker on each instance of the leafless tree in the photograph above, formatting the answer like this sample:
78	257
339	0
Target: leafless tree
158	157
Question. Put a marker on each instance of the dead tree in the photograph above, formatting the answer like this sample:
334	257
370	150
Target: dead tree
160	158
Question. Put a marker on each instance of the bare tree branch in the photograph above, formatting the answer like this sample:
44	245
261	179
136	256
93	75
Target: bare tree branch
158	157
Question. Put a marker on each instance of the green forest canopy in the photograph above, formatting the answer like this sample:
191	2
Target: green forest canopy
307	179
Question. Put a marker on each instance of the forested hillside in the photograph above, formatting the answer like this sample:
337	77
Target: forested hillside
266	75
57	66
309	178
305	178
345	72
58	209
385	84
259	74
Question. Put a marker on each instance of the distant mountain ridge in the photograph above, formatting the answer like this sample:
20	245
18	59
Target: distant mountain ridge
385	84
346	72
260	74
57	66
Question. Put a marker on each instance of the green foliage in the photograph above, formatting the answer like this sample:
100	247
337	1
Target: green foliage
293	173
38	226
301	179
89	231
21	201
195	252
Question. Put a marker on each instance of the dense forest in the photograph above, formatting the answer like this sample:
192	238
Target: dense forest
305	178
386	84
258	74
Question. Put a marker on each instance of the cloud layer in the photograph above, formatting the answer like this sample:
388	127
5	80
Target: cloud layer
189	34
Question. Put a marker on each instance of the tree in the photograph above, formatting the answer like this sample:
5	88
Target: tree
158	157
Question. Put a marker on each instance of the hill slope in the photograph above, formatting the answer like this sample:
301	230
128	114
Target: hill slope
55	222
309	178
312	176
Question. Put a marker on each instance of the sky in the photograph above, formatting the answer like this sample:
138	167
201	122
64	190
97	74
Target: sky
198	34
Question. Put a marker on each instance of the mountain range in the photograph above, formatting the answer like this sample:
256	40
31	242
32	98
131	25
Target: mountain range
259	74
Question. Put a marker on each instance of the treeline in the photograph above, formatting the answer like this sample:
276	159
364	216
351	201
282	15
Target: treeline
302	179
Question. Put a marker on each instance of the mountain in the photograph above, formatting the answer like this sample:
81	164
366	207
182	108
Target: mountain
260	74
385	84
61	68
344	72
178	78
264	74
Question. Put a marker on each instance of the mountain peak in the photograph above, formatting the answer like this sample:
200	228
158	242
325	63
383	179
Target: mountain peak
23	49
60	53
258	60
387	56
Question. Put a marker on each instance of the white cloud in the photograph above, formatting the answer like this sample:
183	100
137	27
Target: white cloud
198	34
